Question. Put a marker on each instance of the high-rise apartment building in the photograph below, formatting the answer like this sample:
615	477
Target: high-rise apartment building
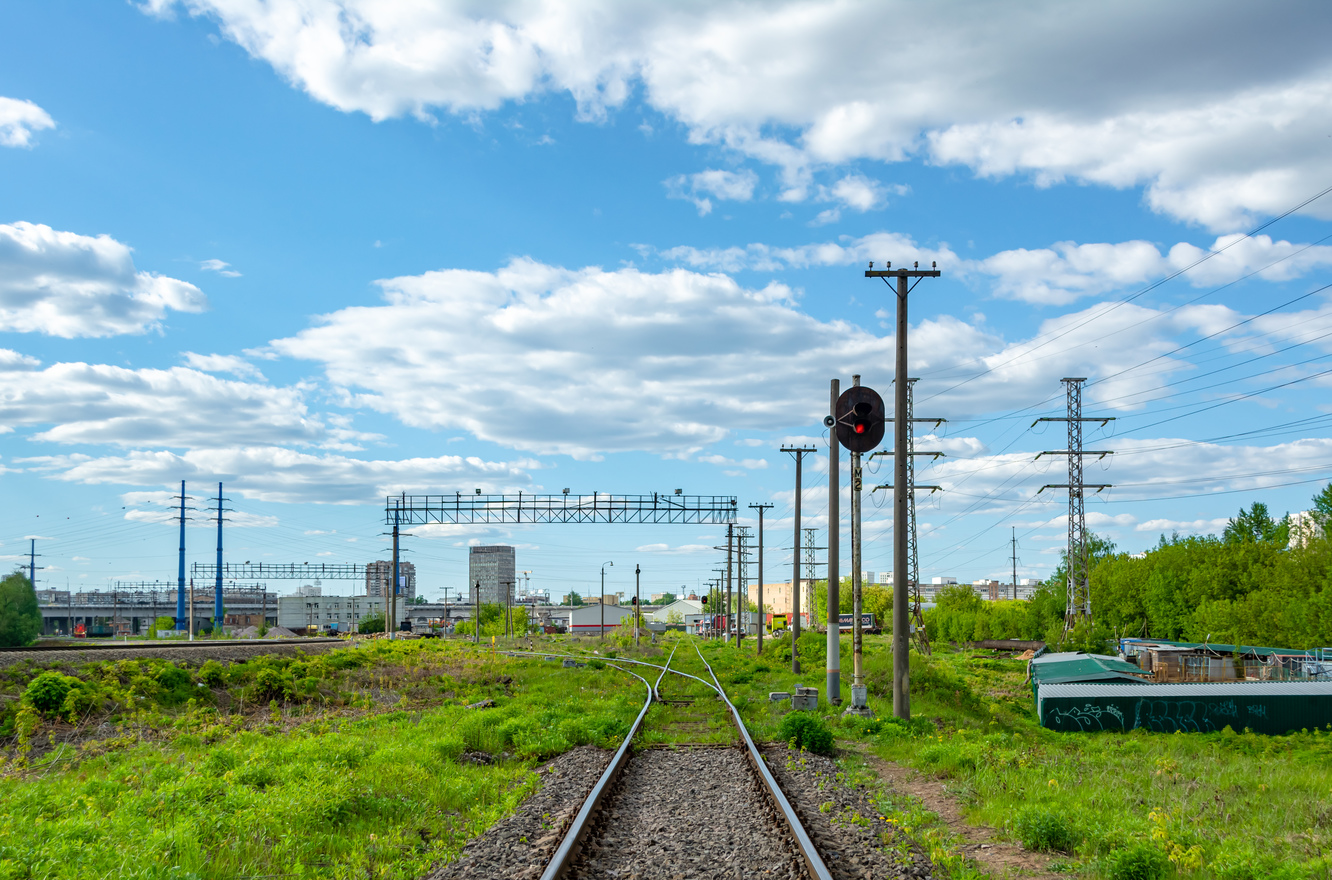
379	579
494	568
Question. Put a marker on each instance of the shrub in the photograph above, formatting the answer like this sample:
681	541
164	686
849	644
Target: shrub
1137	862
596	664
803	731
46	693
213	674
1045	829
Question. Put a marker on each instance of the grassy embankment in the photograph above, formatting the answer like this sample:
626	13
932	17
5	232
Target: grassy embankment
1138	806
362	762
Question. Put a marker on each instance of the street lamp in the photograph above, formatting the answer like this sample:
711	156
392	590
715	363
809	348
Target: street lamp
602	599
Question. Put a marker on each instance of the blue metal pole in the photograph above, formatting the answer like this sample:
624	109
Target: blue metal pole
217	590
180	578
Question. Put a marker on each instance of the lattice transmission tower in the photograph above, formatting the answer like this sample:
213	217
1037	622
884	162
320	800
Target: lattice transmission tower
918	636
1078	608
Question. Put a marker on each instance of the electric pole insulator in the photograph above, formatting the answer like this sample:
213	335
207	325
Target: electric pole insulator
860	418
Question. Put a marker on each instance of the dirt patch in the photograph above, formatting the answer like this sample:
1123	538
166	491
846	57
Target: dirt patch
981	844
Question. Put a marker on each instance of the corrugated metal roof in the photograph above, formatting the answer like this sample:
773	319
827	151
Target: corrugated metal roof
1217	648
1066	666
1189	689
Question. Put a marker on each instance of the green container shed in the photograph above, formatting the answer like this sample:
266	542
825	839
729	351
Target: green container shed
1263	707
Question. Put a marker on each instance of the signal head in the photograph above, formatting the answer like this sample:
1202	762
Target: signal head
859	418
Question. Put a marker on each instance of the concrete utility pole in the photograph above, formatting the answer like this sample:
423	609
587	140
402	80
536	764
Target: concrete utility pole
1014	562
32	562
762	616
834	535
1078	606
476	621
901	435
638	600
602	603
799	452
859	693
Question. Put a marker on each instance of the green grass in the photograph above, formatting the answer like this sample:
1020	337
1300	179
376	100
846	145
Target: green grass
344	788
1122	806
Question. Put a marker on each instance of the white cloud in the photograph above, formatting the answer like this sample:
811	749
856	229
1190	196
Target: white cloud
222	268
19	119
273	474
1217	124
735	186
70	285
879	246
223	363
1187	527
584	362
102	404
748	463
680	550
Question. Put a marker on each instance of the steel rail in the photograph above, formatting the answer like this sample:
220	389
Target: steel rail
818	870
134	646
559	863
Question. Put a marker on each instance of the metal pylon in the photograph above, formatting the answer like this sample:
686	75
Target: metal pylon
919	637
1078	604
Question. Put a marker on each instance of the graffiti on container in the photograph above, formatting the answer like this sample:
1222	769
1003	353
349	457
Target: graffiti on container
1259	710
1085	717
1188	715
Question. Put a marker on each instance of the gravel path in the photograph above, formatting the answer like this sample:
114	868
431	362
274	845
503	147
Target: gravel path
688	814
521	845
227	652
847	829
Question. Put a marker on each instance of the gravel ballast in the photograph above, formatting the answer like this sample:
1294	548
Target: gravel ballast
226	652
688	814
521	845
850	834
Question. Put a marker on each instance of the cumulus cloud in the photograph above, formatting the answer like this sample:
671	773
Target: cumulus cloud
103	404
735	186
896	247
589	361
1216	124
71	285
19	119
274	474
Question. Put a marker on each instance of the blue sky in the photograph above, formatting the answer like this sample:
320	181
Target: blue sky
330	250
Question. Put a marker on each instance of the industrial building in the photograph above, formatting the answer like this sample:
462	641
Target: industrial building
118	612
333	614
493	569
379	579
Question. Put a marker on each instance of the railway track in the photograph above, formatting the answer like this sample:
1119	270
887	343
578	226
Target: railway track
706	809
234	649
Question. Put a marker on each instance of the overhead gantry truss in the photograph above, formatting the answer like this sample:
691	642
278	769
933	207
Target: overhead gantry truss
599	507
290	571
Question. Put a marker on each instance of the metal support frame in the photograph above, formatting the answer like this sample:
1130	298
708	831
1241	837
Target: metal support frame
599	507
288	571
761	508
1078	607
799	452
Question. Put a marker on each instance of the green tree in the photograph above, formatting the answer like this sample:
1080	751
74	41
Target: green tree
1256	524
1322	507
20	618
666	599
572	599
372	623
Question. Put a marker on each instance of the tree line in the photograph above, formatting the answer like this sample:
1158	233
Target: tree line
1250	585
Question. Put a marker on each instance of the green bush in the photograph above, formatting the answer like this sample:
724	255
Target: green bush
596	664
1137	862
46	693
20	616
803	731
1045	829
213	674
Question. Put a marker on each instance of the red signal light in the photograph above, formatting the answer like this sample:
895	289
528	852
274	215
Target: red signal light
860	427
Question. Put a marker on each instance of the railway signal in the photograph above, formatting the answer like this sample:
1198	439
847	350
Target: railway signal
858	418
